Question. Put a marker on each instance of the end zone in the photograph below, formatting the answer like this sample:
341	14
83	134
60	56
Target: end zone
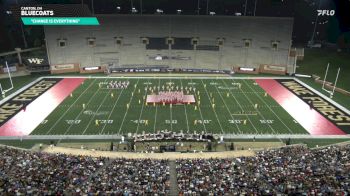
293	97
40	100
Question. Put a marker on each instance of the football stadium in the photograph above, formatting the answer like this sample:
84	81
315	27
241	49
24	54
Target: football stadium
160	97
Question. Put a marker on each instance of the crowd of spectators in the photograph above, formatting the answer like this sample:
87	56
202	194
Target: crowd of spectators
295	170
132	177
289	170
24	172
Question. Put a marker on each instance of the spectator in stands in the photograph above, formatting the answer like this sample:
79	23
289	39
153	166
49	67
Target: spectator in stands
29	173
290	170
293	170
134	177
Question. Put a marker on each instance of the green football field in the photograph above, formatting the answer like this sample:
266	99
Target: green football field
227	106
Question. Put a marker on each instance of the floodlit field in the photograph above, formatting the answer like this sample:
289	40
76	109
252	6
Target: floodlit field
106	110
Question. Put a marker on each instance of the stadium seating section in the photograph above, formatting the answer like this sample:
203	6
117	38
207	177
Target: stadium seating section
293	170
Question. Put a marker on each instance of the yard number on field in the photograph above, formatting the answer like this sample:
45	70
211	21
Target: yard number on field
203	121
235	121
266	121
170	121
73	122
139	121
105	121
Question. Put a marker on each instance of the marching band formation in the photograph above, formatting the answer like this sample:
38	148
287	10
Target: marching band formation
170	135
171	96
116	84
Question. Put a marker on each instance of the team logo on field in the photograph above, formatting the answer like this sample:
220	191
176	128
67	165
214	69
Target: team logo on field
90	112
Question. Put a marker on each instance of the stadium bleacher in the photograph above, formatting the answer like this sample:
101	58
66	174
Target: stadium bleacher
156	44
182	43
291	170
207	47
207	55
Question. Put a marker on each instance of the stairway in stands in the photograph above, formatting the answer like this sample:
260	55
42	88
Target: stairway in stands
174	190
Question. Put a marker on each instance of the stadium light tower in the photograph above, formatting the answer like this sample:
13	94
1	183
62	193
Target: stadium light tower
207	6
314	31
23	34
141	7
92	7
198	7
255	6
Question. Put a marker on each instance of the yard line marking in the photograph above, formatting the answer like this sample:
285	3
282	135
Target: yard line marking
262	116
69	108
81	111
143	103
110	114
270	108
171	114
98	109
213	109
120	128
188	128
155	115
240	106
200	112
228	109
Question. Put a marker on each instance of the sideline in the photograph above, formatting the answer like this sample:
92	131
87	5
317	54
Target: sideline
133	155
226	136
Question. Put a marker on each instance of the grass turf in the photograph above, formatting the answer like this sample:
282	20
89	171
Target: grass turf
70	118
316	60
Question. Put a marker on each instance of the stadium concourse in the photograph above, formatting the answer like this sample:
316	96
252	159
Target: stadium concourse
292	170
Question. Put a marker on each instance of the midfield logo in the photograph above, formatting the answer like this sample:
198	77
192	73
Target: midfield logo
325	12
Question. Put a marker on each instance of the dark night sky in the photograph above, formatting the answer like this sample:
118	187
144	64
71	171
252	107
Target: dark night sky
303	11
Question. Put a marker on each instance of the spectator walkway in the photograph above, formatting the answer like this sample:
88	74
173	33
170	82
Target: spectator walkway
174	189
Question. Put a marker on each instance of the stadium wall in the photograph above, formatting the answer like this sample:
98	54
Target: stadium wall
262	31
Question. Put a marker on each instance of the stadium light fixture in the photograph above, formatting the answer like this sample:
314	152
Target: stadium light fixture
134	10
159	11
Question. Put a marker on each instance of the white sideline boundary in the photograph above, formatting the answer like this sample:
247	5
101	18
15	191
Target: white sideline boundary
20	90
226	136
323	96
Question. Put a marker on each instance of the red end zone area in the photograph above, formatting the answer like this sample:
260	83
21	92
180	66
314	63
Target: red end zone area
25	121
309	118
